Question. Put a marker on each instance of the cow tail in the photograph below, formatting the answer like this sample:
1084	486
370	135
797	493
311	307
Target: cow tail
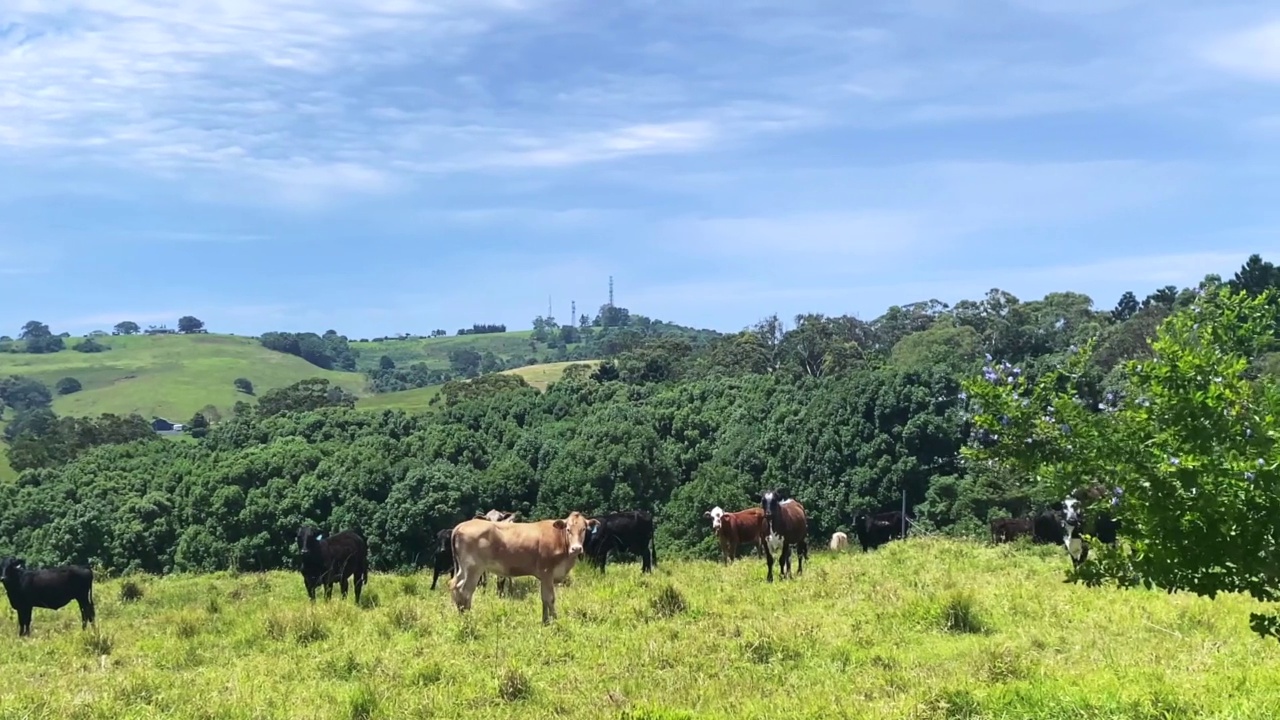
653	551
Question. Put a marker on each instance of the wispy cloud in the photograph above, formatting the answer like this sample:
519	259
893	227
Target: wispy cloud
1253	52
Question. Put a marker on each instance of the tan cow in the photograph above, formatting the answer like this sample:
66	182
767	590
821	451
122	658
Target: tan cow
839	542
546	550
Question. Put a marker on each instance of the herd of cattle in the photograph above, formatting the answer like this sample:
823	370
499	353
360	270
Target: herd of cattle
547	550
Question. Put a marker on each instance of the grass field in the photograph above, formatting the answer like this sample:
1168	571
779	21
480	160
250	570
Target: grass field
435	351
419	399
923	629
172	376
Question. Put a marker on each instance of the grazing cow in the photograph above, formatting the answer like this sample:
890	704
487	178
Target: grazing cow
630	531
878	529
1061	523
1005	530
546	550
444	555
50	588
785	525
839	542
734	530
497	516
326	560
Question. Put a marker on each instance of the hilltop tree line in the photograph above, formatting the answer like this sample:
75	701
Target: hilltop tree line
36	338
849	414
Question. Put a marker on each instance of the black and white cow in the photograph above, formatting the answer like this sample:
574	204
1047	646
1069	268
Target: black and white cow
1062	523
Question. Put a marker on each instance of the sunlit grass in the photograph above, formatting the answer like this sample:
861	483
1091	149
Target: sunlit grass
925	629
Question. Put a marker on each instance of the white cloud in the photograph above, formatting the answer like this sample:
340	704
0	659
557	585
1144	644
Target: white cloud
1253	53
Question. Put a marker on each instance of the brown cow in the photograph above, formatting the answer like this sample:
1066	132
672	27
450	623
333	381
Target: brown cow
546	550
785	525
735	529
1009	529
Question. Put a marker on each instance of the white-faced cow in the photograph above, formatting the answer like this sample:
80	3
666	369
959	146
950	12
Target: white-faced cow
733	530
785	526
630	531
546	550
1061	523
50	588
326	560
839	542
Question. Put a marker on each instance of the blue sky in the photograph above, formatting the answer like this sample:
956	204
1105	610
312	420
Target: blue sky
382	166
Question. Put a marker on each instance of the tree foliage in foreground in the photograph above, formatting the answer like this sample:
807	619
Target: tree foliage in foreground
1190	443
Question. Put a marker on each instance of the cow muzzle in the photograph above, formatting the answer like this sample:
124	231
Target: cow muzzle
575	549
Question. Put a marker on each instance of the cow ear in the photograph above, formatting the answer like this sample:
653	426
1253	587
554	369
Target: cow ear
559	525
707	514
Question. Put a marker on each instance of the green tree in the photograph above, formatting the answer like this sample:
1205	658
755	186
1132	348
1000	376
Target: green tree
386	363
190	325
68	385
89	345
128	327
1192	448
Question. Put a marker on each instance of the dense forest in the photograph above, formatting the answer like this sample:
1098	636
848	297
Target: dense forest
849	414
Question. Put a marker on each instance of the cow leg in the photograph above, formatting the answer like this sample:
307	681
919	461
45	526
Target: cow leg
784	564
88	613
342	585
802	550
646	560
359	579
768	558
24	621
548	600
462	587
311	588
435	574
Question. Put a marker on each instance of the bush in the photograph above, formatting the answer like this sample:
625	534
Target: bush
89	345
68	385
244	386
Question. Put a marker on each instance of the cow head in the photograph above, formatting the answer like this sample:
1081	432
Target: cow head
498	516
308	540
716	516
771	501
576	526
11	568
1072	512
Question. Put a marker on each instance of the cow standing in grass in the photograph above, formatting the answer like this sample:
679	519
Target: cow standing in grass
326	560
1061	523
629	531
1005	530
785	526
546	550
735	529
878	529
839	542
444	556
495	516
50	588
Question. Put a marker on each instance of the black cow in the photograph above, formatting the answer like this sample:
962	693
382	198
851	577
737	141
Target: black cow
332	559
1061	523
630	531
878	529
444	555
50	588
1106	528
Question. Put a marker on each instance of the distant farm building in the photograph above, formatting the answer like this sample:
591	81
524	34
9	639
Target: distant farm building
164	427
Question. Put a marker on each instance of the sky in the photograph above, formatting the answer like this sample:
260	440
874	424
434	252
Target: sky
387	166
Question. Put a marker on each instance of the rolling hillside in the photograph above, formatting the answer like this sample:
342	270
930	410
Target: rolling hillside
419	400
435	351
172	376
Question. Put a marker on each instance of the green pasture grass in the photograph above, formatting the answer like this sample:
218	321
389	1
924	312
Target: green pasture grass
172	376
435	351
540	376
927	628
417	400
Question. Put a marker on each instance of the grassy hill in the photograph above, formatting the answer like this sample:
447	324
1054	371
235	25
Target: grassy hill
419	399
172	376
435	351
927	628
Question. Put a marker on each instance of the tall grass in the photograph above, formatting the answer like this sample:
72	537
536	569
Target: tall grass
924	629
